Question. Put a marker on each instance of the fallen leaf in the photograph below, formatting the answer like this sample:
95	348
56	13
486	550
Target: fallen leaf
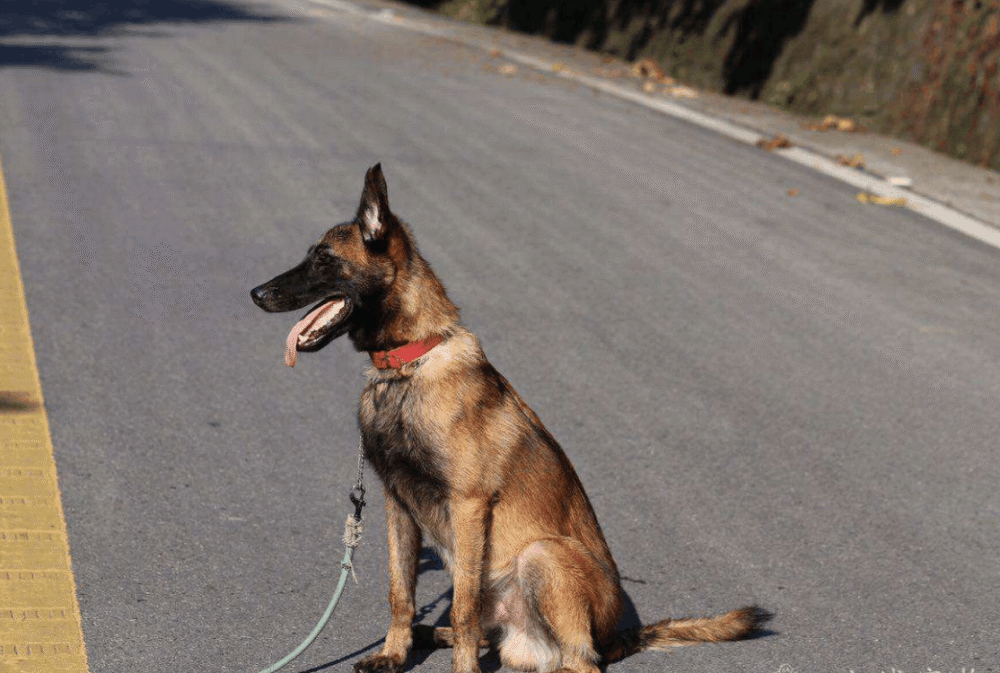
831	122
558	67
793	192
682	92
875	199
647	67
508	69
856	161
494	53
896	151
777	142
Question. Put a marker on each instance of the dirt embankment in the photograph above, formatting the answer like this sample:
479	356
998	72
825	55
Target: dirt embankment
925	70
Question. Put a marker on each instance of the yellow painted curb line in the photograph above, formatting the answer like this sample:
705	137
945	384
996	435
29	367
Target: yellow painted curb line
40	628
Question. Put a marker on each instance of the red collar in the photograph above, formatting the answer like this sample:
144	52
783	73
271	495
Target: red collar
403	355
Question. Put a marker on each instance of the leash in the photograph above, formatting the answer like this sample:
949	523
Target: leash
353	528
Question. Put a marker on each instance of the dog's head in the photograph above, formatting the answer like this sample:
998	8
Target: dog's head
348	274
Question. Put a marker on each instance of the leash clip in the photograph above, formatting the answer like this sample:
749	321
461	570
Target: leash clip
358	500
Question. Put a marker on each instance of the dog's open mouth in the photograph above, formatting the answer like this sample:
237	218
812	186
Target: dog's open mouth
310	333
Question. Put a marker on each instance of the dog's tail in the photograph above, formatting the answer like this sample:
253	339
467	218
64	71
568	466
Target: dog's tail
736	625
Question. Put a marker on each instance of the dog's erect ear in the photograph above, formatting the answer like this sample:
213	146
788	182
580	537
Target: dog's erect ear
373	212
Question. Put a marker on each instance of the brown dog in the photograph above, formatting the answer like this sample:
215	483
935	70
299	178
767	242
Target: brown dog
467	467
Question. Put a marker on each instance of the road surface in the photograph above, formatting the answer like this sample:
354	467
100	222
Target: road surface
772	398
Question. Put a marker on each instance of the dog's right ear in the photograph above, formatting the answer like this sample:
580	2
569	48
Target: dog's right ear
374	216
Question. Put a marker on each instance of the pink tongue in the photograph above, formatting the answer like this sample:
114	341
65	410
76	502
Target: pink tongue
314	316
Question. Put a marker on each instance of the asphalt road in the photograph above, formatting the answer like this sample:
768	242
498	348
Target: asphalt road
774	399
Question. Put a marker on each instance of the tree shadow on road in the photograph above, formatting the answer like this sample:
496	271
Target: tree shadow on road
54	34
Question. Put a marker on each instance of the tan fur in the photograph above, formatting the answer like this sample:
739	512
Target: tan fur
469	469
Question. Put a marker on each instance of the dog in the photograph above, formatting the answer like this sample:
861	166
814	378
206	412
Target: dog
467	467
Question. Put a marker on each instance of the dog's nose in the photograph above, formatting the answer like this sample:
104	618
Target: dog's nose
260	296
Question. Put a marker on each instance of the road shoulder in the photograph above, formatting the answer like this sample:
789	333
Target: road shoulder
40	628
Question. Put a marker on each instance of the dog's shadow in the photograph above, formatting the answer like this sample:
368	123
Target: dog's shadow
488	662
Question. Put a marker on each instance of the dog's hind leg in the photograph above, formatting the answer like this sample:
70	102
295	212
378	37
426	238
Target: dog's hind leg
557	599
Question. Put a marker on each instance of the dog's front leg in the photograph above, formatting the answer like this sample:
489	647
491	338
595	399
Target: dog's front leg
469	520
404	553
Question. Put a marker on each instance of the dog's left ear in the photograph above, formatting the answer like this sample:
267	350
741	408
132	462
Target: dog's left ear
374	216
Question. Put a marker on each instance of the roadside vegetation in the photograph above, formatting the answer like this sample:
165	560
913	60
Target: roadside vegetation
923	70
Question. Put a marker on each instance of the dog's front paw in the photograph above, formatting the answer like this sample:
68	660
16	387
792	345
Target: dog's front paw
378	663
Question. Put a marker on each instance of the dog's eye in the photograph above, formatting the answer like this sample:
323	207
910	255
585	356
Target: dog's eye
322	255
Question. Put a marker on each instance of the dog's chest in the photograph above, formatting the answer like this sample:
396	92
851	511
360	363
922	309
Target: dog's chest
400	444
